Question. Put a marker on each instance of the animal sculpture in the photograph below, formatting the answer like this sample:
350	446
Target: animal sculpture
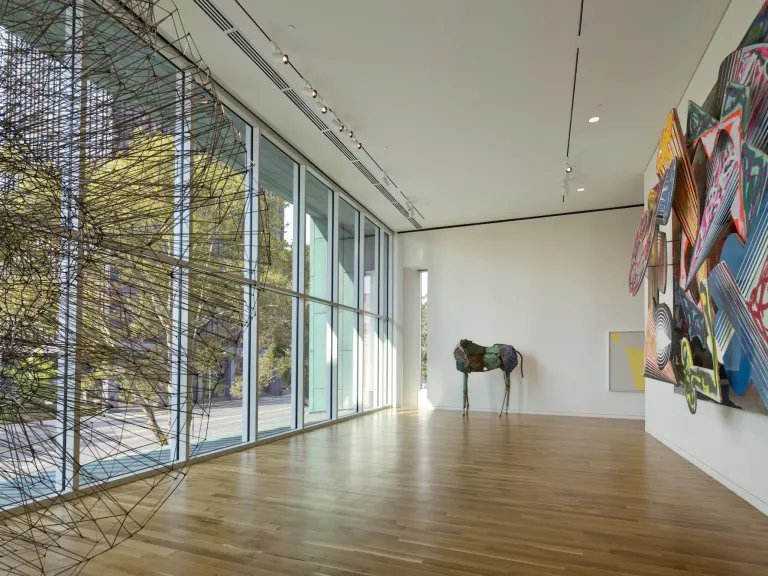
471	357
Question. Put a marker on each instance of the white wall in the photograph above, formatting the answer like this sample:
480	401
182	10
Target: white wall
552	287
728	444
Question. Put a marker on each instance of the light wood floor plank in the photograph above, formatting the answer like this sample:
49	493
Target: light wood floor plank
420	494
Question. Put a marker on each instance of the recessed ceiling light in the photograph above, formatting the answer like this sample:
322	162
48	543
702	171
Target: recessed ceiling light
579	189
594	119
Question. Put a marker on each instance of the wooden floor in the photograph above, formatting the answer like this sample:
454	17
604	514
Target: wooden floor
429	493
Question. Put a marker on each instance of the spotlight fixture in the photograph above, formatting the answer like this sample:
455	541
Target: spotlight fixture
359	145
286	60
594	119
568	168
314	93
351	134
579	189
324	109
341	127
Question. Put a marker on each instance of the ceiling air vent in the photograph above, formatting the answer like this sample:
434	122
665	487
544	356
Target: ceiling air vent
214	14
308	112
343	149
237	37
365	172
386	193
251	52
402	210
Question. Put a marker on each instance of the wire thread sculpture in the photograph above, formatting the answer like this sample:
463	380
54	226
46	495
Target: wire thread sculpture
127	235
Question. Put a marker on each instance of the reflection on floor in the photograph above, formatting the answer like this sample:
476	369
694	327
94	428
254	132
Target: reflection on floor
430	493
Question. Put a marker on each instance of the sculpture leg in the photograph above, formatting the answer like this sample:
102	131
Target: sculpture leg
506	383
506	393
465	409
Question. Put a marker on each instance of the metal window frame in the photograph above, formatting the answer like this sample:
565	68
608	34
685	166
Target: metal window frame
70	307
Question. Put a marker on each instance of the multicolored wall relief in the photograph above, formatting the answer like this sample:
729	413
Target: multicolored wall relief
712	258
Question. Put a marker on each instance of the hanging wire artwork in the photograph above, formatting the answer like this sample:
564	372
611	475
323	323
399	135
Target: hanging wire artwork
127	236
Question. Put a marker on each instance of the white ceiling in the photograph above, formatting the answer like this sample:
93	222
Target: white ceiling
465	104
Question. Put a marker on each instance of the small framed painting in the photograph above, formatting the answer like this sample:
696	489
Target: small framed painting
626	361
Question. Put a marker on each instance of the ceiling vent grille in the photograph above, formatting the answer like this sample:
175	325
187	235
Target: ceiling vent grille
365	172
301	105
251	52
225	25
402	210
214	14
386	193
343	149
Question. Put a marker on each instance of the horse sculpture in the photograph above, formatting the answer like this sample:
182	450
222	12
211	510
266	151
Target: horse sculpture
471	357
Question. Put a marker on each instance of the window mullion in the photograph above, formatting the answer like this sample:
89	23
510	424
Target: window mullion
70	303
181	403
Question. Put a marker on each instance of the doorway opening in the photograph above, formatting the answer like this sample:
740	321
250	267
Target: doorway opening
423	287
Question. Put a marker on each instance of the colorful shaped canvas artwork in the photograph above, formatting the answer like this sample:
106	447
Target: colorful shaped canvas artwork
710	204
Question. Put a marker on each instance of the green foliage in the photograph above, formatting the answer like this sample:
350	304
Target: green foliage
275	362
236	390
275	309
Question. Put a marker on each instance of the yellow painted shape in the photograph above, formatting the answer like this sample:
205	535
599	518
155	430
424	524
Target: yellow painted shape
615	337
636	358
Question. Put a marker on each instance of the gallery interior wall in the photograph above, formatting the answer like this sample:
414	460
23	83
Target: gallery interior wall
728	444
551	287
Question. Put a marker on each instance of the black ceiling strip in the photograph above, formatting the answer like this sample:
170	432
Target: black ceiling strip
524	218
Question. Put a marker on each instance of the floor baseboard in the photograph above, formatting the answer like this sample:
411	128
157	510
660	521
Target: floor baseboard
724	480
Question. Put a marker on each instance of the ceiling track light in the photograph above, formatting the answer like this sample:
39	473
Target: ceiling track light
314	93
351	134
359	145
286	60
324	109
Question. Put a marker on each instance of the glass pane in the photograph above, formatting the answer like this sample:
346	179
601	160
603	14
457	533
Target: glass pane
346	339
371	268
215	364
133	102
384	265
217	327
370	362
348	249
127	425
217	185
32	103
317	253
317	362
279	178
276	313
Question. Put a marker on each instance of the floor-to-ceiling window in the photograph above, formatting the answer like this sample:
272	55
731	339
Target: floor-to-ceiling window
318	324
347	332
279	179
227	292
371	346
